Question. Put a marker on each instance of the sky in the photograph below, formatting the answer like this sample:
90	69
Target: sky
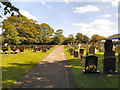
87	18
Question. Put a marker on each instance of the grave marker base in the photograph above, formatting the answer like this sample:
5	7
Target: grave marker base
97	72
115	72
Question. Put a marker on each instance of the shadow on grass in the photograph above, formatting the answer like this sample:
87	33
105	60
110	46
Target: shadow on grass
13	72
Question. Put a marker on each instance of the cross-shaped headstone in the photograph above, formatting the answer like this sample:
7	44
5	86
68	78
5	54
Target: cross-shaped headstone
79	45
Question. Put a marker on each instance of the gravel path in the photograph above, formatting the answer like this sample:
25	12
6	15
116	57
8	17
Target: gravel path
52	72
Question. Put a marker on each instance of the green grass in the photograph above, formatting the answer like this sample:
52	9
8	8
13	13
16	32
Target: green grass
91	80
14	66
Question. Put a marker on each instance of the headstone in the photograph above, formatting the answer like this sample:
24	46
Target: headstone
92	50
109	65
108	48
44	49
72	53
13	48
117	49
109	58
91	64
70	50
81	51
21	48
4	48
79	45
96	50
76	54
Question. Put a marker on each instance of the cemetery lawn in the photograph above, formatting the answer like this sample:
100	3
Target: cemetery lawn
14	66
91	80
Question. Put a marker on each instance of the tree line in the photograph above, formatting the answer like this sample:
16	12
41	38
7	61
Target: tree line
18	29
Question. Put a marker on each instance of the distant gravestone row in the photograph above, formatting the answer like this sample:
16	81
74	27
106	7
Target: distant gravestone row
14	49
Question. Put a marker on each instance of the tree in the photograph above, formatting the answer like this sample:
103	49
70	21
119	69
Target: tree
9	8
71	38
85	39
10	35
79	38
65	41
23	26
46	33
58	37
95	38
102	37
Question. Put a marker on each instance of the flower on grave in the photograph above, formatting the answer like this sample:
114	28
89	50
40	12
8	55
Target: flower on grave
91	68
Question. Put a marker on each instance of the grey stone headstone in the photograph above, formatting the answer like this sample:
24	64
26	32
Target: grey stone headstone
92	50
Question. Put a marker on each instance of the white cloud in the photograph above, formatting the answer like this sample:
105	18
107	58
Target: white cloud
88	8
43	3
115	2
101	27
106	1
116	14
49	7
107	15
27	14
66	1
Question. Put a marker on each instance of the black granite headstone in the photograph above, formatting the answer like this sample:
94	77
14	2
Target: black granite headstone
108	48
76	54
109	64
81	51
4	48
91	64
109	58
